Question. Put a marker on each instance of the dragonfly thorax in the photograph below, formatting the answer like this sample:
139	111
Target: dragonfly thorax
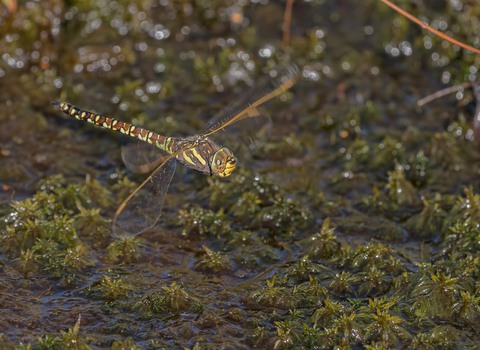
223	162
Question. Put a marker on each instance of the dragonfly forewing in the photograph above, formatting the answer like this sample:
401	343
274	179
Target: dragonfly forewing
246	135
281	79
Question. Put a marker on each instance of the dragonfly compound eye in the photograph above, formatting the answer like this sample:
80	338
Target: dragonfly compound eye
223	162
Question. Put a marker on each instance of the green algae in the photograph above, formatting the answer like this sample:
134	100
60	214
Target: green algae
356	225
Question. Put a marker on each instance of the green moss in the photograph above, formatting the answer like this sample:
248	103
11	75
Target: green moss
124	249
108	288
434	296
214	261
270	295
323	244
70	339
177	298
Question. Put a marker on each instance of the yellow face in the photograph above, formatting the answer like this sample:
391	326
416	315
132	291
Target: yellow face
223	162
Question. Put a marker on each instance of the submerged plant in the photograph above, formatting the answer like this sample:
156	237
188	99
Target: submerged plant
323	244
371	255
284	338
399	188
204	221
304	267
311	292
273	296
177	298
326	314
285	214
70	339
468	207
348	328
110	289
434	296
428	222
90	222
214	261
124	249
387	327
373	281
467	308
127	343
47	342
247	205
342	282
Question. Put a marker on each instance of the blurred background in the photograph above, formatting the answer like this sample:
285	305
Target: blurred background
354	226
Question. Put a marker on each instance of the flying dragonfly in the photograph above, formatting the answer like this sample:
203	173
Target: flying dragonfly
241	119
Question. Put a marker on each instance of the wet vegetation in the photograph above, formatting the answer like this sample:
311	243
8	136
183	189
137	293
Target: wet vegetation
355	226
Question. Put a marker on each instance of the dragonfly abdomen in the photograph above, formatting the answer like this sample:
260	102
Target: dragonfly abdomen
114	124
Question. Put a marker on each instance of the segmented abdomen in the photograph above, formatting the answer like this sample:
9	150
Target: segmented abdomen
114	124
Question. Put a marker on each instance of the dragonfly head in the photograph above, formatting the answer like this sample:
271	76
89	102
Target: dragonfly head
223	162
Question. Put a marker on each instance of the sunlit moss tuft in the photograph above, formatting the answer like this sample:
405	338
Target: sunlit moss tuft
47	343
127	343
342	282
311	293
70	338
204	221
304	268
323	244
429	221
177	298
400	190
110	288
214	261
467	309
435	296
90	223
124	249
273	296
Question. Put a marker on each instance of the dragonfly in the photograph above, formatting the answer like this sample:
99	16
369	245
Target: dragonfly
142	209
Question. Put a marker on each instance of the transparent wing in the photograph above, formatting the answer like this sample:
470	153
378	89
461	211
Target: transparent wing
281	79
246	135
142	157
141	210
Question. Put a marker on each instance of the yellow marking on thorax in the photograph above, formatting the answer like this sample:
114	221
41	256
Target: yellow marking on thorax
167	141
187	158
198	156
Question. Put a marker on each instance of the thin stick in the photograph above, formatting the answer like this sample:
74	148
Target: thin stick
440	34
287	19
444	92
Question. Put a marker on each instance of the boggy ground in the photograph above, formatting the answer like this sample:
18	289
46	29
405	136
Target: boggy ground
355	226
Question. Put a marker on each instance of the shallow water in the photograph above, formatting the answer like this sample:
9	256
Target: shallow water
356	225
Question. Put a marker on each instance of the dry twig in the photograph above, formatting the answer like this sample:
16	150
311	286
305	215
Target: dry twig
440	34
287	20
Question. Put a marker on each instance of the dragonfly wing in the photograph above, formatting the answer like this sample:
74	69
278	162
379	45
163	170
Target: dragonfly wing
142	157
246	135
142	209
281	79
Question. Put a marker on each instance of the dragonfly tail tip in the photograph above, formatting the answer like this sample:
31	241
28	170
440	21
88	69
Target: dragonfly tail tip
56	103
